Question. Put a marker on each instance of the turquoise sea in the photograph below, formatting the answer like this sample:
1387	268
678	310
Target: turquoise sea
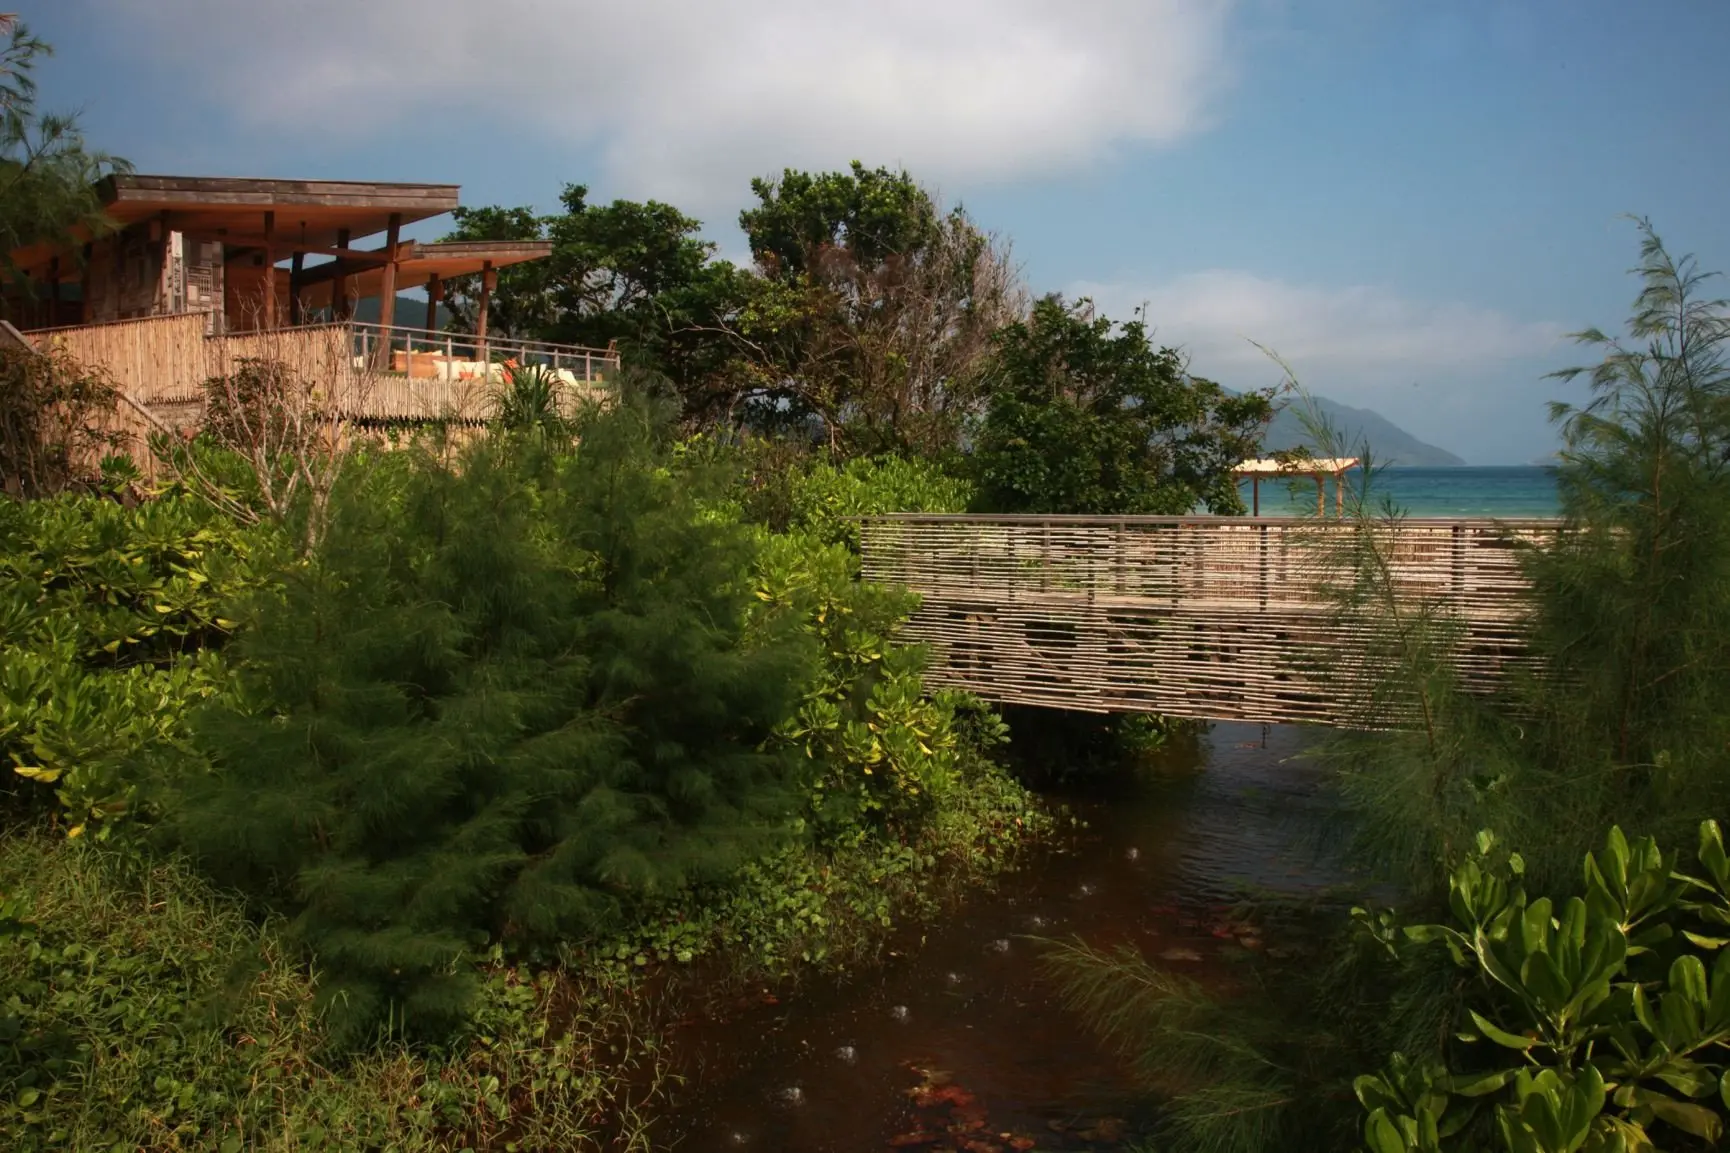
1500	492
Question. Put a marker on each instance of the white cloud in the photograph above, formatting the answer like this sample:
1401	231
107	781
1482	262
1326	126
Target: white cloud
1359	334
685	98
1458	375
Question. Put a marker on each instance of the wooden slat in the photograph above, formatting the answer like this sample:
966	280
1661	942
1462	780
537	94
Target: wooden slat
1222	618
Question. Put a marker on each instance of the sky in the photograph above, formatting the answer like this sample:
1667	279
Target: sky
1412	203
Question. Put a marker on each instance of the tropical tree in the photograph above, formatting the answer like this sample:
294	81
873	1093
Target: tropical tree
1087	416
874	311
47	173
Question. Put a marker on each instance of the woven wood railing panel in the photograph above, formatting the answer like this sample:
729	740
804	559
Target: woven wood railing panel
1220	618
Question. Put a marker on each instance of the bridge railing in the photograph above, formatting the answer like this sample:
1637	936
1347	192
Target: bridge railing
1218	617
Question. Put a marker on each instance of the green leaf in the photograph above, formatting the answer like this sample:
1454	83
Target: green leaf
1501	1036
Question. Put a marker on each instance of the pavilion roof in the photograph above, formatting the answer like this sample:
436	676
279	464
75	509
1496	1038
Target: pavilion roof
1314	466
307	214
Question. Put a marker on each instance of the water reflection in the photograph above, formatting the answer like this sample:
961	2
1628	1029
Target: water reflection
1159	864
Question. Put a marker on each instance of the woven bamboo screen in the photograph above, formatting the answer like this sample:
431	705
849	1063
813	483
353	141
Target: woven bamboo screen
1222	618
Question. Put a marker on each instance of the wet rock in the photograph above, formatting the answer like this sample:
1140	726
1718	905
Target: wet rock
1132	854
792	1095
901	1013
847	1054
1001	945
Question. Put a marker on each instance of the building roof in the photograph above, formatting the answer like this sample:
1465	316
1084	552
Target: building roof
1322	466
308	214
420	262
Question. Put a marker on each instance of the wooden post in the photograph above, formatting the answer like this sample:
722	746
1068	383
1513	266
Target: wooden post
339	302
296	311
387	290
1255	495
269	320
435	291
86	312
1339	495
481	309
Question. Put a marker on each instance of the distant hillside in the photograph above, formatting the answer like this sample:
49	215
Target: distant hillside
1390	443
410	312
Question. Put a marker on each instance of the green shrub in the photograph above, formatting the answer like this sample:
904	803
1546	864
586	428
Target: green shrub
112	621
824	495
506	698
1601	1022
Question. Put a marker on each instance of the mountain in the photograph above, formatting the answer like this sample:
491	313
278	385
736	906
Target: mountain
1391	444
410	312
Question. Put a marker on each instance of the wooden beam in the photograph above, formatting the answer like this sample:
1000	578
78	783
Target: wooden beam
296	311
269	270
369	257
339	302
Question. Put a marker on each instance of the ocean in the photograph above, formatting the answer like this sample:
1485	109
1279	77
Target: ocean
1527	491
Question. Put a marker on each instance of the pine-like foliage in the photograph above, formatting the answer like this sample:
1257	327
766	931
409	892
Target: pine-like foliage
504	698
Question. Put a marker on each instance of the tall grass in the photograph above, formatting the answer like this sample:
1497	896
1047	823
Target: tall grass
145	1010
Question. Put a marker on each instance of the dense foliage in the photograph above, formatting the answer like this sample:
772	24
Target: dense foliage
1088	417
47	173
506	697
1600	1022
111	619
55	431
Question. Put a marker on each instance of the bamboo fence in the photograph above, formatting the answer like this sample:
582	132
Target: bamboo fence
1220	618
160	365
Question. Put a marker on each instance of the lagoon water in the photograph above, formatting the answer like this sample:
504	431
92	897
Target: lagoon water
1528	491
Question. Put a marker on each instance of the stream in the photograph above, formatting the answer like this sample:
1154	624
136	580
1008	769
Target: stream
967	1015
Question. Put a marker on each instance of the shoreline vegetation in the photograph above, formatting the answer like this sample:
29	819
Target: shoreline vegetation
401	791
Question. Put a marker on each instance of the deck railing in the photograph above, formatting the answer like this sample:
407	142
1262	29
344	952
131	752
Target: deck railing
1221	618
399	348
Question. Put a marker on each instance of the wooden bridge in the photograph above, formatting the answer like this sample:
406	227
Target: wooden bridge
1219	618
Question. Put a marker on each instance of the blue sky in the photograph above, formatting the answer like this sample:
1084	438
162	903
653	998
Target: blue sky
1411	202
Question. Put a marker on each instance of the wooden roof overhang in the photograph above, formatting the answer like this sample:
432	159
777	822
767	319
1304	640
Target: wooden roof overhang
417	264
305	215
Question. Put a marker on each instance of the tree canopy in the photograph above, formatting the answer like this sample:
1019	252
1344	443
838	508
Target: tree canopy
47	172
1087	416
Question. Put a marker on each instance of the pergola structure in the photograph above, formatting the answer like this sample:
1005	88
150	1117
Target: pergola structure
214	245
1318	469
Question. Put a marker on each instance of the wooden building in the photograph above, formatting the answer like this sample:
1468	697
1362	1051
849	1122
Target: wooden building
204	245
196	273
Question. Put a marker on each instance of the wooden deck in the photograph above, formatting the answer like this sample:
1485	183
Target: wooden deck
375	375
1220	618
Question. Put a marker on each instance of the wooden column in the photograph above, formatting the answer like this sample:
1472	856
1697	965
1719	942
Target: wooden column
387	293
1339	494
339	304
1255	495
1321	495
387	278
487	277
435	291
268	321
86	307
296	312
53	292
